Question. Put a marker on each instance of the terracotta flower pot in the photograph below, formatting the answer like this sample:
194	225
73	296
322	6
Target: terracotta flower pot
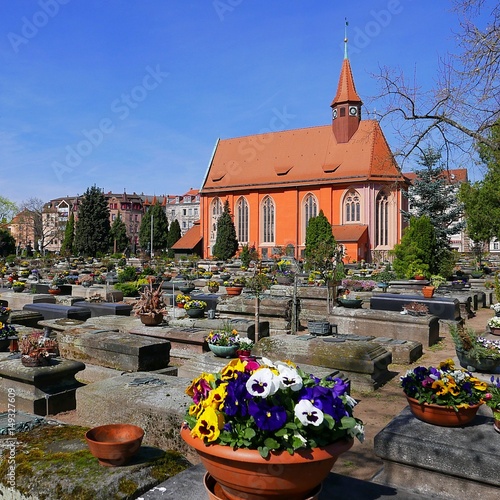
233	290
149	320
244	474
114	444
442	415
494	331
428	291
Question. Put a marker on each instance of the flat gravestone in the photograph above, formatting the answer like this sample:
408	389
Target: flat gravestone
43	390
114	349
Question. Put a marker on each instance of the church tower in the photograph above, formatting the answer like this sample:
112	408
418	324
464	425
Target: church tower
346	105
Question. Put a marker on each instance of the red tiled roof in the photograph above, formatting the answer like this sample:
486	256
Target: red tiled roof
349	232
301	157
346	91
190	239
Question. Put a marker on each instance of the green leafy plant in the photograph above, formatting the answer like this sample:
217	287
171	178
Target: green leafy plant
492	396
476	347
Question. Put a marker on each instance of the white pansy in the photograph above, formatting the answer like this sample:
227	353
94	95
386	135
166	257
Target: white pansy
350	401
289	378
263	383
307	413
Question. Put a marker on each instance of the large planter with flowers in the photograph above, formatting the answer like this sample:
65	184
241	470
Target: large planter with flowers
239	426
443	395
442	415
195	308
486	364
244	474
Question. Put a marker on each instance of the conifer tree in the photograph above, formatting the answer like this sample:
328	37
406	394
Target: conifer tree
321	247
92	227
160	229
226	242
119	238
431	195
69	236
174	233
7	243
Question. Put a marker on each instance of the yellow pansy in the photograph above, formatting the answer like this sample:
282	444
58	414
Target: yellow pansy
216	397
208	425
231	370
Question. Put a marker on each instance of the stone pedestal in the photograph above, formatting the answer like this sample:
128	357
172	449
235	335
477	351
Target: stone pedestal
44	390
421	329
112	349
447	462
54	311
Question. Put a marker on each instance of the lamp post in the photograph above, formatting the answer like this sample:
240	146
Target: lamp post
152	251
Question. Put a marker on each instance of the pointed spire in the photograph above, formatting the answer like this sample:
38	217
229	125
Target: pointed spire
345	38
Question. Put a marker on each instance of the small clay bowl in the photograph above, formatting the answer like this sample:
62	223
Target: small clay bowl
114	444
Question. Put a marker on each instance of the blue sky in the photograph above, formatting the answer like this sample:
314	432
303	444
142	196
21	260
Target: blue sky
133	94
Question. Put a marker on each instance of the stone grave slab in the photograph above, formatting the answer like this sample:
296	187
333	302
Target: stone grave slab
18	300
364	363
449	462
53	461
421	329
105	308
26	318
155	402
442	307
44	288
41	390
210	363
184	341
54	311
113	349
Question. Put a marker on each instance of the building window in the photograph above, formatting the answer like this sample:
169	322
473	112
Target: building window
352	207
268	218
310	208
495	245
215	213
196	212
382	220
113	217
242	220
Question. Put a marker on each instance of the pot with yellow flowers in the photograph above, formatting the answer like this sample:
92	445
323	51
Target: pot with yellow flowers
443	395
266	429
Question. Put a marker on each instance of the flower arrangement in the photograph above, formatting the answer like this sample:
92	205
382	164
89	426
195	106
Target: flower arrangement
182	299
475	346
496	307
5	310
195	304
444	385
494	322
150	302
18	283
37	350
226	336
213	284
492	397
416	309
270	406
7	331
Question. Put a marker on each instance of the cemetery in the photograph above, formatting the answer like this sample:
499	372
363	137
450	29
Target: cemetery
85	359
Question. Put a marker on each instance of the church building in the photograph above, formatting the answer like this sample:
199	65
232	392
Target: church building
276	182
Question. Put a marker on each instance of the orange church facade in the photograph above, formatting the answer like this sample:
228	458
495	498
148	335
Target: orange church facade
276	182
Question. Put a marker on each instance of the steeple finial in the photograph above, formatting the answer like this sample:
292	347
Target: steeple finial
345	39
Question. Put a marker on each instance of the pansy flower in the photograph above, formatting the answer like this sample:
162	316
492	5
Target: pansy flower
263	383
267	417
307	413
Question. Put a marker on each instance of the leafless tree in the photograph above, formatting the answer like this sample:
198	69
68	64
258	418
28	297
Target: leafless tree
464	103
44	233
